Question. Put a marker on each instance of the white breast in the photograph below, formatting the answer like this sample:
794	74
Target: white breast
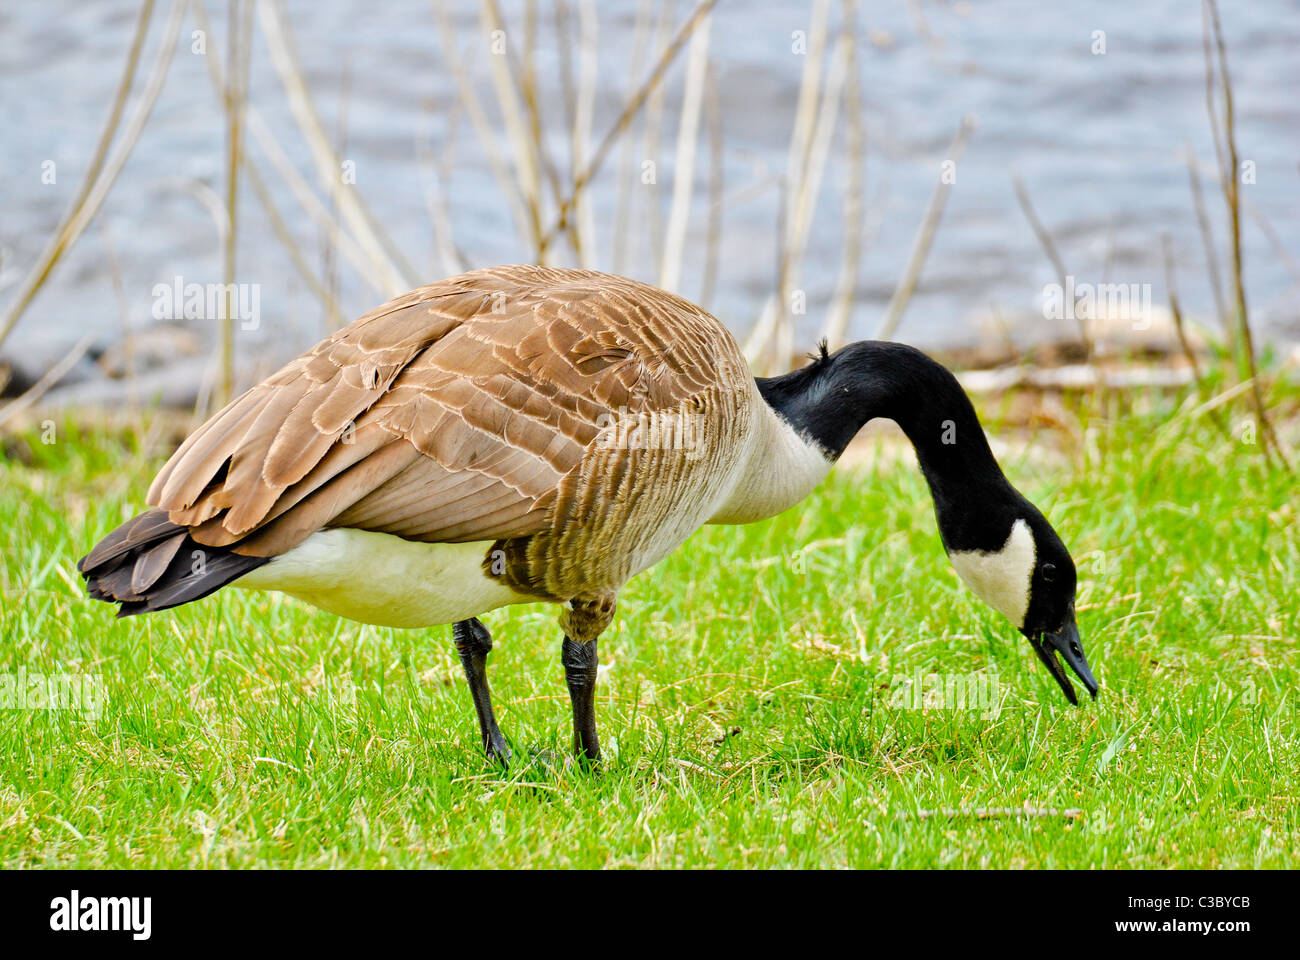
382	579
780	467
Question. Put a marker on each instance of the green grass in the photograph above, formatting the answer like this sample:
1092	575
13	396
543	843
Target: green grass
745	698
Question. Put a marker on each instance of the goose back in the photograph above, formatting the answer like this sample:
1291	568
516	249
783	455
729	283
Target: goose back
493	406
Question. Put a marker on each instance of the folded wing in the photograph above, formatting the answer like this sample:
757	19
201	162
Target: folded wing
449	414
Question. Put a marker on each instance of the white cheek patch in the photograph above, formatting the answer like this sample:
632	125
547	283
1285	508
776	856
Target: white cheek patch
1001	578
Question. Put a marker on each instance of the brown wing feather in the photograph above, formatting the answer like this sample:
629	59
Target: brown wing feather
451	413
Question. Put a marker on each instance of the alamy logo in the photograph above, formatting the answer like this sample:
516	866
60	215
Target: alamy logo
75	912
946	691
1098	301
179	300
652	430
81	692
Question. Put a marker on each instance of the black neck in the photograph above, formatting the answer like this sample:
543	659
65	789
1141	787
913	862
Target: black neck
834	397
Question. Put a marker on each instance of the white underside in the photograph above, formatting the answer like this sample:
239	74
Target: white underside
779	469
382	579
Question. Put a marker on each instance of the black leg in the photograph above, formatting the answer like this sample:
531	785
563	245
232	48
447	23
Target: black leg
473	643
582	621
580	674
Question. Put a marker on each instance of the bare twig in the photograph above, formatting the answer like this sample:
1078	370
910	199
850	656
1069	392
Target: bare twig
361	260
770	345
509	188
1207	240
924	237
317	286
684	166
329	259
1231	191
449	258
588	78
630	110
1049	248
397	274
626	177
716	188
805	114
100	179
652	128
568	97
238	46
514	81
1215	134
1175	309
803	201
49	379
302	191
999	813
837	320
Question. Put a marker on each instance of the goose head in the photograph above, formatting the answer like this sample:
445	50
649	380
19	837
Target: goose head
1018	565
999	542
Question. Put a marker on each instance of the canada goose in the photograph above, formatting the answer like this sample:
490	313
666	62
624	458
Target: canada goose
524	433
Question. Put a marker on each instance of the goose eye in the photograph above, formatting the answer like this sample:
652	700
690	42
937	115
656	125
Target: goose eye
1049	572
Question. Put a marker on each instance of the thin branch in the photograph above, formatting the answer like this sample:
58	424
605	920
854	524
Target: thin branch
1049	248
1231	190
630	110
684	165
302	191
99	177
588	80
652	127
389	263
997	813
286	238
516	79
329	255
361	260
716	190
49	379
1207	240
238	46
1175	309
1208	53
508	187
837	320
924	237
623	198
449	260
770	344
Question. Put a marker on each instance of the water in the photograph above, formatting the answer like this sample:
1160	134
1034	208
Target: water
1099	141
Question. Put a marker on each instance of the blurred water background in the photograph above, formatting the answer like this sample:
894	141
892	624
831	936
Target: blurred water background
1099	141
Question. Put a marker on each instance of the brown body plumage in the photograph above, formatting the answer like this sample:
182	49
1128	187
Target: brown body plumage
545	434
466	410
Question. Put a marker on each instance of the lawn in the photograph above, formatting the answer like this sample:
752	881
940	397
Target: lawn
754	698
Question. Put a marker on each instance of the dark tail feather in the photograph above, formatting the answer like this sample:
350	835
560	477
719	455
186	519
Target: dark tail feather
150	563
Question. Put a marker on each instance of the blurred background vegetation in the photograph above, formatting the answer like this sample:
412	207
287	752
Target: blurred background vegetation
945	173
924	171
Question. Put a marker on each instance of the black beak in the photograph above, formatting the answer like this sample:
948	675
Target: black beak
1066	643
